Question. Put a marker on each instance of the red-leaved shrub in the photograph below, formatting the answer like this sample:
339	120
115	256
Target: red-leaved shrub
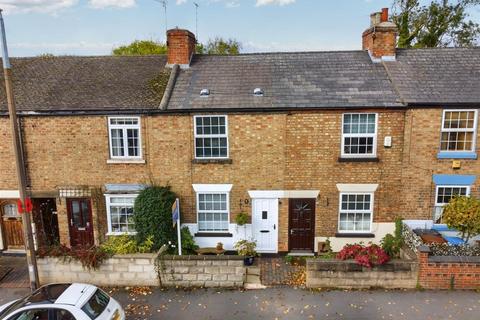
368	256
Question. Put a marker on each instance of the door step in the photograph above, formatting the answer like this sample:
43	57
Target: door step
253	280
299	253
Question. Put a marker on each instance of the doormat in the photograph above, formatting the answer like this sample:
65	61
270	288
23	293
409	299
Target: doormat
4	271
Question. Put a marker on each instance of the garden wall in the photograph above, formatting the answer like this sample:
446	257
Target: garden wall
139	270
448	272
348	274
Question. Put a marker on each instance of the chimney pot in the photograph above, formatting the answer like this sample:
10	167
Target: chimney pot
384	17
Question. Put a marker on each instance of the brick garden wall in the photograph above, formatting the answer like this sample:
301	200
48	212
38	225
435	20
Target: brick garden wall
139	270
448	272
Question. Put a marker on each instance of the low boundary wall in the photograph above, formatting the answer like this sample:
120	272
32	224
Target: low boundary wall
140	270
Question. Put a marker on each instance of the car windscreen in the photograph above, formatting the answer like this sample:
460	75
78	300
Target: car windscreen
46	294
96	304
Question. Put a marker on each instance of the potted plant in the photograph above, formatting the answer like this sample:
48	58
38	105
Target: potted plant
219	246
247	249
241	220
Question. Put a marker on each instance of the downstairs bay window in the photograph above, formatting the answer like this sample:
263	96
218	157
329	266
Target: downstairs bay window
120	214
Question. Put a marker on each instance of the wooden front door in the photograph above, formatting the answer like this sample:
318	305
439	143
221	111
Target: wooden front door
80	222
12	226
301	224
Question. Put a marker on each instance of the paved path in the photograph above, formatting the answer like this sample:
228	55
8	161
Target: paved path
290	303
277	271
17	277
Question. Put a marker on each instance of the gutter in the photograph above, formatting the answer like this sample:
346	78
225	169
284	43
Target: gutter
158	111
169	88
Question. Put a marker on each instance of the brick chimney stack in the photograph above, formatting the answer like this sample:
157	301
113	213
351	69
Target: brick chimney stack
180	47
381	38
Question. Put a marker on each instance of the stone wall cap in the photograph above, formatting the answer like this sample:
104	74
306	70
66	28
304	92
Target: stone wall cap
424	249
205	257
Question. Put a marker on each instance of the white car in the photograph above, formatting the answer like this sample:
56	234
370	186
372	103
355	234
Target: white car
62	301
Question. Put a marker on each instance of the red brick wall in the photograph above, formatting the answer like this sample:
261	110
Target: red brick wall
380	43
439	275
181	46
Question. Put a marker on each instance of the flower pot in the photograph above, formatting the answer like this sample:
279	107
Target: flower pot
248	261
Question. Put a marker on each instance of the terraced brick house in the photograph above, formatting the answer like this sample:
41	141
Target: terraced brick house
311	145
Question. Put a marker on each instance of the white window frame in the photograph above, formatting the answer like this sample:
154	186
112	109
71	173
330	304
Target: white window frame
124	127
109	218
439	206
474	139
210	135
359	135
212	189
371	211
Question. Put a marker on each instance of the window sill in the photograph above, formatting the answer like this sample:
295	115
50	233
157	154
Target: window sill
354	235
205	161
457	155
359	159
125	161
121	233
213	235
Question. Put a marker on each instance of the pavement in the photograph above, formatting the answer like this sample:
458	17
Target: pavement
14	271
289	303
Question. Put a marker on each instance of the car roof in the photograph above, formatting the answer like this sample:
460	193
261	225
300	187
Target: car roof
76	294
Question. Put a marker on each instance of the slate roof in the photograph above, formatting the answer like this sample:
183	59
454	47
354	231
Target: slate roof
302	80
341	79
86	83
437	76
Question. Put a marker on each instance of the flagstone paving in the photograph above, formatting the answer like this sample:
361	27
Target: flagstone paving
278	271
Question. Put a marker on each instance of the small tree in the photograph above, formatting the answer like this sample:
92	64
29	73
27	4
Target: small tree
153	216
140	48
463	214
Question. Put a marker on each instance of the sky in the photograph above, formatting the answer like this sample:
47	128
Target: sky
95	27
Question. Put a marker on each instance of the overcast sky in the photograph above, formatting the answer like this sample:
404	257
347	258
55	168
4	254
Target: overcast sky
94	27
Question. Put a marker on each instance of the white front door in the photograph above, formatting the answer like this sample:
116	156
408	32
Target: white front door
265	224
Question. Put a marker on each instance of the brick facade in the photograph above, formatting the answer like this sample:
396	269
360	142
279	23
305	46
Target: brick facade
268	151
420	162
275	151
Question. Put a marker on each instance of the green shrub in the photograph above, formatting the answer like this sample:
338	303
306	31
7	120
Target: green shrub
125	244
153	216
188	242
392	244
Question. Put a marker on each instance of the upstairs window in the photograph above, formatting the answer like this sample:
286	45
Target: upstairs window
125	140
211	137
443	196
458	130
359	135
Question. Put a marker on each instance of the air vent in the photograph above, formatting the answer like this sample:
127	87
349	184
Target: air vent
204	93
258	92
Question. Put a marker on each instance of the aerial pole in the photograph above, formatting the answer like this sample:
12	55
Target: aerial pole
196	19
164	5
19	161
